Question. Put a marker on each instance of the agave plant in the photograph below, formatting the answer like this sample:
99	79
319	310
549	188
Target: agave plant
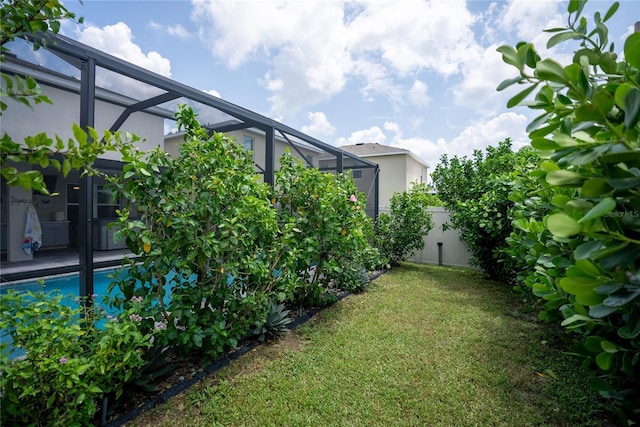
275	323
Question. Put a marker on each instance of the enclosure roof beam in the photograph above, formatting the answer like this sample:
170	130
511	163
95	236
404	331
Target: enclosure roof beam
142	105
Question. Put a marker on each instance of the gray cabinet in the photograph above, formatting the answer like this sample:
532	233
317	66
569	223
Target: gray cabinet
55	233
103	236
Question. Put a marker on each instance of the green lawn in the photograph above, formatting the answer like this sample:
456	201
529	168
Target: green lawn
424	345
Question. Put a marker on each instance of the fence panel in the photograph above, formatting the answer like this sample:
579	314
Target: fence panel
455	252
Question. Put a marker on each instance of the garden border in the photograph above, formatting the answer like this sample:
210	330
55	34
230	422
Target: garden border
216	366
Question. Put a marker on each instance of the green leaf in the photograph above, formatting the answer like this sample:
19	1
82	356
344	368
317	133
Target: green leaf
592	56
604	361
517	99
575	318
611	11
599	311
595	187
508	82
560	200
632	106
603	207
560	37
587	249
629	331
603	101
580	285
510	56
621	93
621	298
80	135
564	177
624	183
95	389
544	144
632	50
609	347
564	140
66	167
550	70
563	225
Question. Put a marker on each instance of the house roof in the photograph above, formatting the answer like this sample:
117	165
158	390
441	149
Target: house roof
376	150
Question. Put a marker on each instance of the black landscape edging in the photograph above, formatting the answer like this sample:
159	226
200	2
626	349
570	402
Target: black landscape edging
216	366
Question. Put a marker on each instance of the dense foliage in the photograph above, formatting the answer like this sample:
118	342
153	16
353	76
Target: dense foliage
588	221
401	231
70	356
475	191
562	221
206	229
225	246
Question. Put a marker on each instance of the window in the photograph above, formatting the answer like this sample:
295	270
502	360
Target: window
310	159
356	173
247	143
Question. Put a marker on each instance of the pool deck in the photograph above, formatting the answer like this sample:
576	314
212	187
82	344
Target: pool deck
52	259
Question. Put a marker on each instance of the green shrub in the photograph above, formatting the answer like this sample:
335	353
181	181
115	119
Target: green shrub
330	228
588	137
206	231
401	232
61	361
475	191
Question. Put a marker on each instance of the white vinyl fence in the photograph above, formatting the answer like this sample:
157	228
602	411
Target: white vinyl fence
443	247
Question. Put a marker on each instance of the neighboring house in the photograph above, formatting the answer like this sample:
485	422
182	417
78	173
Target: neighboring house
399	168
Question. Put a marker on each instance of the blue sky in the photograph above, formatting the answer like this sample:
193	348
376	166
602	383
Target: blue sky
416	74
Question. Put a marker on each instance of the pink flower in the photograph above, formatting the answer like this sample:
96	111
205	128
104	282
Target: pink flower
63	360
353	198
136	318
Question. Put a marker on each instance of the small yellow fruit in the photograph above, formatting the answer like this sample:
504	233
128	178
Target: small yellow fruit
146	247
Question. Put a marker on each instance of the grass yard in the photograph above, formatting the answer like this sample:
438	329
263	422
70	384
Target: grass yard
424	345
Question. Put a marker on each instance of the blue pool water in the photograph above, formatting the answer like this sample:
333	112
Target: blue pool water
68	285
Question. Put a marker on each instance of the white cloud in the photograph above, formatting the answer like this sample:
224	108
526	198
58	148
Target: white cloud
418	94
528	18
319	127
117	40
173	30
371	135
304	43
314	48
213	92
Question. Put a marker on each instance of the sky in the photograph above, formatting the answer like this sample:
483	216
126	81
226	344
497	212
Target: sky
415	74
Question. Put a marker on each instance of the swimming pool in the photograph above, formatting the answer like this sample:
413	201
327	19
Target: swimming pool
68	285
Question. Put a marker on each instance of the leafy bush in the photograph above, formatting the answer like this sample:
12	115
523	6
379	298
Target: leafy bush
475	191
588	137
399	233
331	229
206	230
65	362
